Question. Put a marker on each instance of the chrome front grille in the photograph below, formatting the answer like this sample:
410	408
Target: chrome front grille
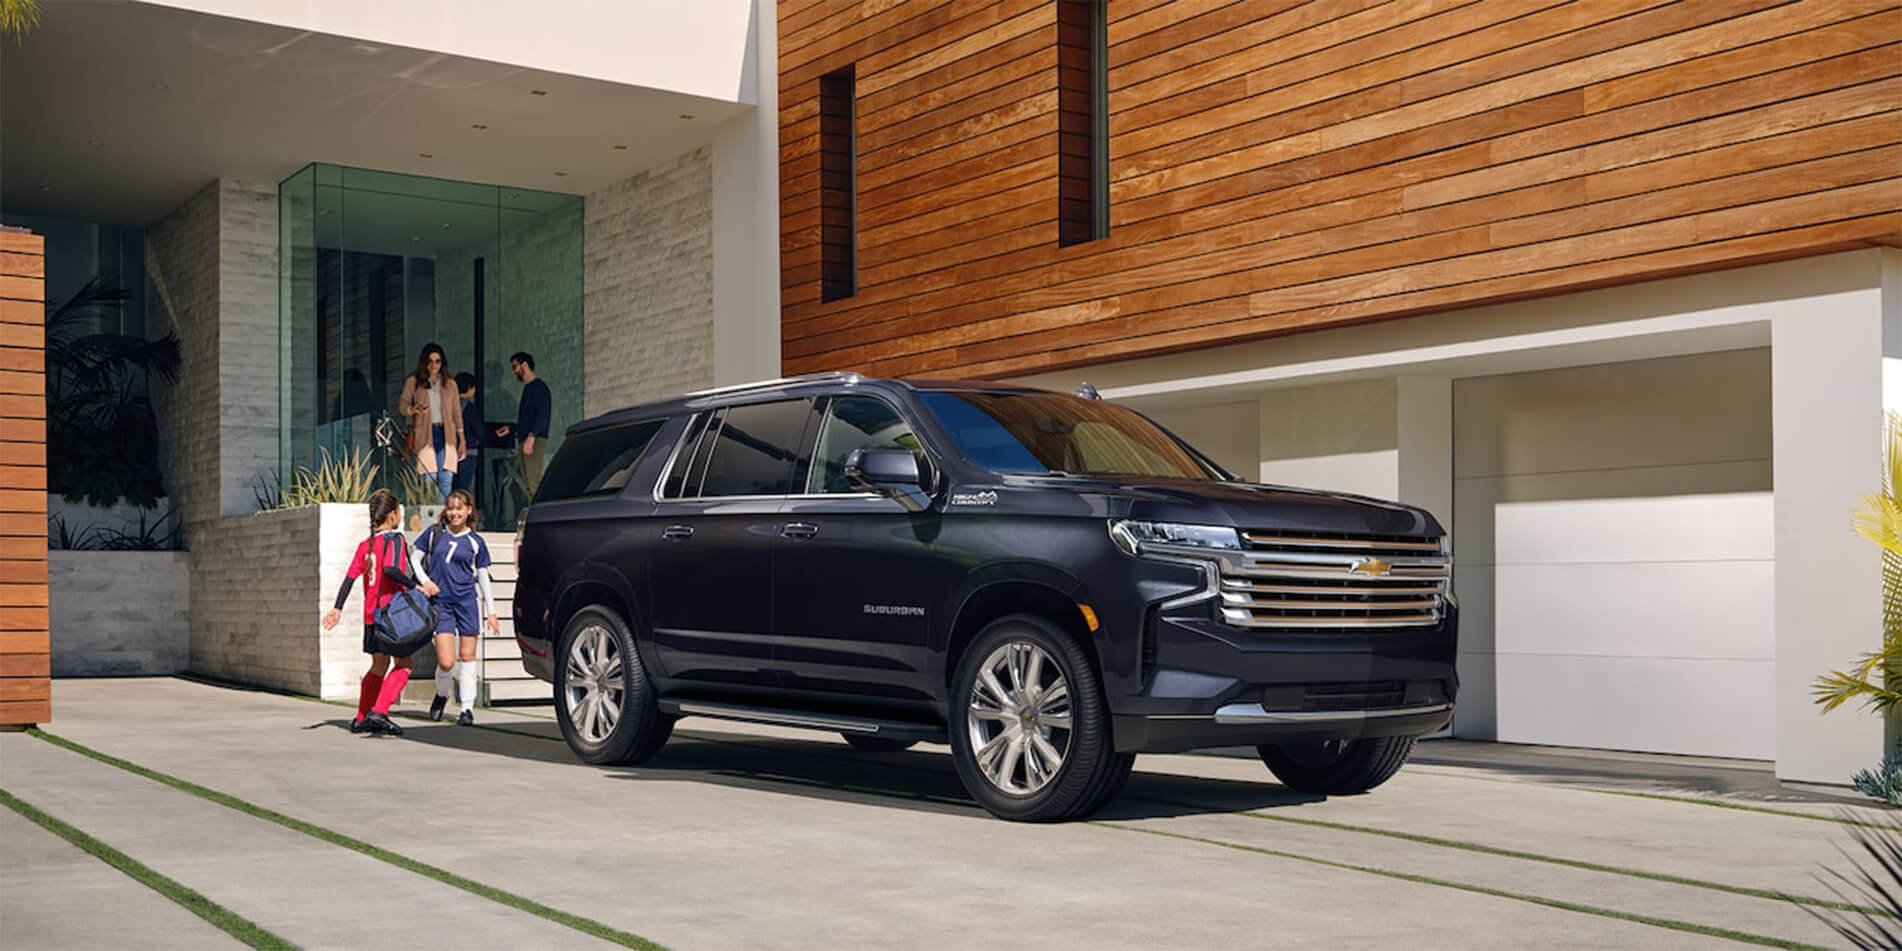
1312	581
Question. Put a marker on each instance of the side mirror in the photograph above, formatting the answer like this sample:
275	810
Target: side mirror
893	473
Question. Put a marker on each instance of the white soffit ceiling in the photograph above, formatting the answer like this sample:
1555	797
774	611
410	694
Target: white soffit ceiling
118	112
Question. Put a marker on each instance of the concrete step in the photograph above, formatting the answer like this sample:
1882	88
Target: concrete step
528	689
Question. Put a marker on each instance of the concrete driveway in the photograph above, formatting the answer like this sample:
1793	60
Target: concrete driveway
749	837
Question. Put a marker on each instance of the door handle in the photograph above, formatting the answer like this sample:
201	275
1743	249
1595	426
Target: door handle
799	530
677	533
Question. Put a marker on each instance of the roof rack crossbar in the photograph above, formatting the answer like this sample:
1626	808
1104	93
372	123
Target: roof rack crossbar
833	376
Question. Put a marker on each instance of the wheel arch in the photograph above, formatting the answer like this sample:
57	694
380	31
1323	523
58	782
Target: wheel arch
597	585
1003	598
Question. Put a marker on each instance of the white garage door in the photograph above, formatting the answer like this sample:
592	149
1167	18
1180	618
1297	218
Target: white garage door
1614	553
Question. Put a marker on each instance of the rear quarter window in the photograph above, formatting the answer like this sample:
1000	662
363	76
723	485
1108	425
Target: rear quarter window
597	462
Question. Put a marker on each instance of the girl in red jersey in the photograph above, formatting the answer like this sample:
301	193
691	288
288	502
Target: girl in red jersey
383	563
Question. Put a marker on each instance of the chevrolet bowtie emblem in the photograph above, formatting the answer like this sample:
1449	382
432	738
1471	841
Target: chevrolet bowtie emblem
1372	568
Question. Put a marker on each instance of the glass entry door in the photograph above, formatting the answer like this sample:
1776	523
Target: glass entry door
374	266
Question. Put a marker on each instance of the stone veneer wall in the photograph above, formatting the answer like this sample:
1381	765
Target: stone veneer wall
649	297
212	267
120	612
257	602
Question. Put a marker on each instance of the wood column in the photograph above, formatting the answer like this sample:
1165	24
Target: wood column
25	665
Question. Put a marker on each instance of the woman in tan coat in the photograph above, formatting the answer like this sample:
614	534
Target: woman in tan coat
435	414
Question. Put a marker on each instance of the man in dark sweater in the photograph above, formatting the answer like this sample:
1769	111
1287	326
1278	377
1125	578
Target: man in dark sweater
531	421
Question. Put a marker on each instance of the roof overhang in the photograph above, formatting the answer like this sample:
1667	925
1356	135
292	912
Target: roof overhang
118	112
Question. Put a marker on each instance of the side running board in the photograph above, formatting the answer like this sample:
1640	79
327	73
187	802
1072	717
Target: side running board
829	722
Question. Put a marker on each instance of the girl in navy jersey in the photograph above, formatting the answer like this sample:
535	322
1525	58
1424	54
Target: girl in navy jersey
380	561
456	559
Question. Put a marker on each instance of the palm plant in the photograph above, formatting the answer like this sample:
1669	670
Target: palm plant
19	16
347	478
1876	677
102	435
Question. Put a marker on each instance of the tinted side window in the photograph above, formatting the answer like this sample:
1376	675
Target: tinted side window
596	462
757	449
856	422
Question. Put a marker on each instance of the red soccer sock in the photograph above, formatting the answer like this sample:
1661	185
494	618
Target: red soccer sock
372	682
392	688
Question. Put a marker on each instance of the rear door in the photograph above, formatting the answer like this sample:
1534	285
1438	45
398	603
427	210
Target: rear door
710	575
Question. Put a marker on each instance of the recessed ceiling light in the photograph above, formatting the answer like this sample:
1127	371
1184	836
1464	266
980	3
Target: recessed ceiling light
446	224
686	115
477	125
620	148
538	92
425	155
416	237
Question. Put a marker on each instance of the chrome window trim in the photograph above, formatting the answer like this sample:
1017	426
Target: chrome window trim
674	457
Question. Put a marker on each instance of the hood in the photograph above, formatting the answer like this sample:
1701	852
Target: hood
1242	505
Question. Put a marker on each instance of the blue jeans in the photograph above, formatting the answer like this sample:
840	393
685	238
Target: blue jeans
443	475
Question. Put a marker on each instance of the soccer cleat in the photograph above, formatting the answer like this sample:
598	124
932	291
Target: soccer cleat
436	705
465	718
358	725
381	725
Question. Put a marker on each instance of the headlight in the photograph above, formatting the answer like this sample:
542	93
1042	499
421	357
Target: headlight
1132	537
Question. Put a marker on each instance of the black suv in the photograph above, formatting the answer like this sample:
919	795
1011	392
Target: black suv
1051	583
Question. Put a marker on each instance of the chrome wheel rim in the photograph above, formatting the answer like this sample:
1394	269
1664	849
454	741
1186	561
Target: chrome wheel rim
594	689
1019	718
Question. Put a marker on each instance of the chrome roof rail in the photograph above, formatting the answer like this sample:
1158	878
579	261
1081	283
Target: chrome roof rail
832	376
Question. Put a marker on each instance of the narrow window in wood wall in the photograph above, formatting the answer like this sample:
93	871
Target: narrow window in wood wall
1082	120
838	186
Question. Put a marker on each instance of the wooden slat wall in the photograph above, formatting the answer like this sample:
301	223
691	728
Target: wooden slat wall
25	691
1280	166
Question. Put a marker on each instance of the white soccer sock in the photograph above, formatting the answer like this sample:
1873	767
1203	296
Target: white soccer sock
445	684
466	678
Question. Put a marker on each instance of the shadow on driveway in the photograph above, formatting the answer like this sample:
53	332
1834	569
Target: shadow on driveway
920	779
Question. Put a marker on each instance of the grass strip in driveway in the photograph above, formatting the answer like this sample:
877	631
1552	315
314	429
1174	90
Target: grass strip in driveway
1664	877
1436	771
586	926
1668	923
220	917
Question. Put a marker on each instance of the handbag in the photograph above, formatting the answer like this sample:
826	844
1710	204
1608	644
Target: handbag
408	622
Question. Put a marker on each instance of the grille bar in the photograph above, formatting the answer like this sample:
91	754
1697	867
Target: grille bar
1339	582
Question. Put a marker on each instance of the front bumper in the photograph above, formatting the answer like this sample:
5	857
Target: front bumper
1245	724
1208	684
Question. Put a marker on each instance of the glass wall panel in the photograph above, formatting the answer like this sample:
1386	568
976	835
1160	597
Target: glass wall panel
375	266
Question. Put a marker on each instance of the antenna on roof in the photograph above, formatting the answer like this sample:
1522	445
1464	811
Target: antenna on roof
1088	392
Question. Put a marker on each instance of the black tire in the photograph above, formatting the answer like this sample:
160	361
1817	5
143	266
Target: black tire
638	729
1337	767
876	744
1090	770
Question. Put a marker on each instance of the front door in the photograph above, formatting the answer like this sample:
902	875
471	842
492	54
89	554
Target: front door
858	581
715	525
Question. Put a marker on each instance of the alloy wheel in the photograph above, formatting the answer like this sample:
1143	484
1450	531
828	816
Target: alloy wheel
1020	718
594	683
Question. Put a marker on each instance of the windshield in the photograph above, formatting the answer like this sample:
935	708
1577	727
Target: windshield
1050	432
